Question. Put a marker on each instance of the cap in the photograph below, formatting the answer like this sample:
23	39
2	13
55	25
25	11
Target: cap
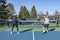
14	14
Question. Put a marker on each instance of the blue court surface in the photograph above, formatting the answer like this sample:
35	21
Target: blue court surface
30	35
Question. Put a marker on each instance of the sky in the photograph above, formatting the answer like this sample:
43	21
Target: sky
40	5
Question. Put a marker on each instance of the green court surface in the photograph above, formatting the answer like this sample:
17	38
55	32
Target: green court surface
21	28
35	28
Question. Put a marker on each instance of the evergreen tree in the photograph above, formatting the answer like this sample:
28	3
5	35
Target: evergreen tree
10	8
33	13
2	4
3	12
23	14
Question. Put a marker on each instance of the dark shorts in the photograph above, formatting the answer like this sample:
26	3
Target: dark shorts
46	25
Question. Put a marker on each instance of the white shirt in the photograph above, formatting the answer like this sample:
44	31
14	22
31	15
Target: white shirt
46	20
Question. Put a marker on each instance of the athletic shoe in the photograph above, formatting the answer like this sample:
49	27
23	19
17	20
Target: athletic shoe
43	31
17	32
11	33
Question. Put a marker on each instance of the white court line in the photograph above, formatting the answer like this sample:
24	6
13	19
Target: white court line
33	35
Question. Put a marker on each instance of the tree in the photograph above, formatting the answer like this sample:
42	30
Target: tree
23	14
41	15
26	12
47	13
2	4
57	17
33	13
10	8
3	12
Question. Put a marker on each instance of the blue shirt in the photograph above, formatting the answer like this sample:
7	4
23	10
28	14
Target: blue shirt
14	20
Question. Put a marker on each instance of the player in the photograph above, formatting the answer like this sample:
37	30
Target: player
14	23
46	24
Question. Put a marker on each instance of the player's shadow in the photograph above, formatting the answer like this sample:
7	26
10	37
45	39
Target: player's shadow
25	30
52	29
49	30
22	31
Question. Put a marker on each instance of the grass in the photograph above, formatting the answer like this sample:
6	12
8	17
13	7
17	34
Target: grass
35	28
26	28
